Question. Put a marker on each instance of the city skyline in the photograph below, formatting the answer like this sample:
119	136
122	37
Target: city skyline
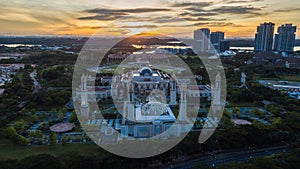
85	17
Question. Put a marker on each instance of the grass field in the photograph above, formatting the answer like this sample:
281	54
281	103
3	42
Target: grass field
283	78
290	78
9	150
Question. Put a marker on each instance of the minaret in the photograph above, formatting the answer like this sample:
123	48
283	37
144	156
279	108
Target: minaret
84	109
131	103
115	87
182	112
124	115
173	91
217	91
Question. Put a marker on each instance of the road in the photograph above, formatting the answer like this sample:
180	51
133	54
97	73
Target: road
37	85
224	158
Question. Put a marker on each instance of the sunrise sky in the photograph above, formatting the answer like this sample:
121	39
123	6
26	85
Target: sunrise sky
238	18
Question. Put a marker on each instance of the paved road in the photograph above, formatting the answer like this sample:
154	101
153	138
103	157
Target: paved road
37	85
224	158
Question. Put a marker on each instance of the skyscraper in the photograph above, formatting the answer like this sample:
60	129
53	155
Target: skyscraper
201	40
264	37
285	39
216	38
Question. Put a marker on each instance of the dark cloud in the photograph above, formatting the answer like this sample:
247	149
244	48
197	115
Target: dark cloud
195	9
237	10
194	12
197	14
140	26
217	24
125	11
102	17
241	1
203	19
154	19
191	10
113	14
165	19
258	14
202	23
287	10
195	4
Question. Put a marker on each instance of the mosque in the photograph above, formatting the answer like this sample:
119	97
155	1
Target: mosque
147	98
143	82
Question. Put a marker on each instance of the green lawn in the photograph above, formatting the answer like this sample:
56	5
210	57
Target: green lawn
9	150
290	78
283	78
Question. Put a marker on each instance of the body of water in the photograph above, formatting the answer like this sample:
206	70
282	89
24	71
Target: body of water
17	45
297	48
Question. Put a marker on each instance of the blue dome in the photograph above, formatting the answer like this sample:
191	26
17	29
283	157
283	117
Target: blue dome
145	71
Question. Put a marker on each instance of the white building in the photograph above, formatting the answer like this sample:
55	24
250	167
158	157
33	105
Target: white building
203	91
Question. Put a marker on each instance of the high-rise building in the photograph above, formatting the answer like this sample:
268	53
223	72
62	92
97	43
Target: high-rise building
201	40
264	37
216	38
285	39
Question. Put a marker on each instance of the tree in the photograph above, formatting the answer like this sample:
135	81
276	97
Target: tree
53	138
64	110
19	124
277	120
22	140
235	109
63	140
238	114
73	117
27	66
39	133
258	112
53	109
69	138
35	118
78	138
33	111
227	113
60	116
11	132
44	114
31	133
23	128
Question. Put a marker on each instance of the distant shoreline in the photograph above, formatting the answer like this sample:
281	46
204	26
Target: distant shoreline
45	40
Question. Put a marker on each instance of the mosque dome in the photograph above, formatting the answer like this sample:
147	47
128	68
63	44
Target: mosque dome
145	71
